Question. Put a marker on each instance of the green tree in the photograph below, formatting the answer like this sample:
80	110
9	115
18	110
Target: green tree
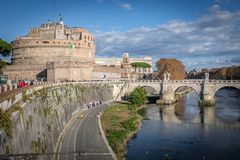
140	65
138	96
2	65
5	48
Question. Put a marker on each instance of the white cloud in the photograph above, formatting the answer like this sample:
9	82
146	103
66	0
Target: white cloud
120	3
126	6
215	34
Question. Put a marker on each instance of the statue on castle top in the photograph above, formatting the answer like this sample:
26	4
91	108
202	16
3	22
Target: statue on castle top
61	19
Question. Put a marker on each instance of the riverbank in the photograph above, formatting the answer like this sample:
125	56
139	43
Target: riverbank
120	122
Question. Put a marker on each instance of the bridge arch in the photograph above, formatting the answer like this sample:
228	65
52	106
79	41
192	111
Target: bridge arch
155	89
224	86
151	90
197	89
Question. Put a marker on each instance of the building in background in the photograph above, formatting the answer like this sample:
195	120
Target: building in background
127	71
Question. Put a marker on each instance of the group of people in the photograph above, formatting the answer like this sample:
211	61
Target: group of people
23	83
92	104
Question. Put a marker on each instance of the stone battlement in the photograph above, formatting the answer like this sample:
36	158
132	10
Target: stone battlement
24	67
32	42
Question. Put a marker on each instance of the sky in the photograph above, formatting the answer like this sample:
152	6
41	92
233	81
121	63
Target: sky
200	33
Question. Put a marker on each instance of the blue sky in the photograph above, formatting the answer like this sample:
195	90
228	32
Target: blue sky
201	33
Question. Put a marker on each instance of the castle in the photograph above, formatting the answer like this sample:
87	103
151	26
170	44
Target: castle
55	52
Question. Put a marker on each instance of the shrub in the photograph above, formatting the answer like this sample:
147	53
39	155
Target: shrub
138	96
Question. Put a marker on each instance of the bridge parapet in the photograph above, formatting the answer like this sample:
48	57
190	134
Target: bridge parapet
186	81
224	81
146	81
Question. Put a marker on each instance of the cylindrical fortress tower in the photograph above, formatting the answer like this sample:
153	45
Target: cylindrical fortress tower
70	51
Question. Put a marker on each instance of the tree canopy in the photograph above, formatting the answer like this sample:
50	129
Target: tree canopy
2	65
171	65
229	73
5	48
140	65
138	96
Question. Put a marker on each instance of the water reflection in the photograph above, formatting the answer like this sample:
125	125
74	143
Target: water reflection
228	104
186	110
187	131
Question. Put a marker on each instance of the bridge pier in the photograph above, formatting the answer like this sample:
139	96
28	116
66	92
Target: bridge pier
207	100
167	95
165	101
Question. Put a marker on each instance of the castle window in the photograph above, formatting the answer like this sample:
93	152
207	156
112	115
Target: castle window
45	41
80	38
54	42
85	37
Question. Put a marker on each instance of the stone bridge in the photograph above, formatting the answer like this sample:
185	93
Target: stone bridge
166	88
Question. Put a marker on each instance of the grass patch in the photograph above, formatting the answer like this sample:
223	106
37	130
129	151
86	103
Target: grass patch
119	124
6	122
16	107
25	96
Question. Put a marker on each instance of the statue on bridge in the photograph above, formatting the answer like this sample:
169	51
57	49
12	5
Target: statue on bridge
206	76
166	76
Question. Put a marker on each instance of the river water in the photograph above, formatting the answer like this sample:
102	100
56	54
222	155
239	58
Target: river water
185	131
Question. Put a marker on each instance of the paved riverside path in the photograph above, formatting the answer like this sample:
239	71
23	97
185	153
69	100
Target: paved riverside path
83	139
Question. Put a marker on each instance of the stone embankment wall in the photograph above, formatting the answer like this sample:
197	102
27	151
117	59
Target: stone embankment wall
40	117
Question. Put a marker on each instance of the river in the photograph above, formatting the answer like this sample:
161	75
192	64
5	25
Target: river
185	131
